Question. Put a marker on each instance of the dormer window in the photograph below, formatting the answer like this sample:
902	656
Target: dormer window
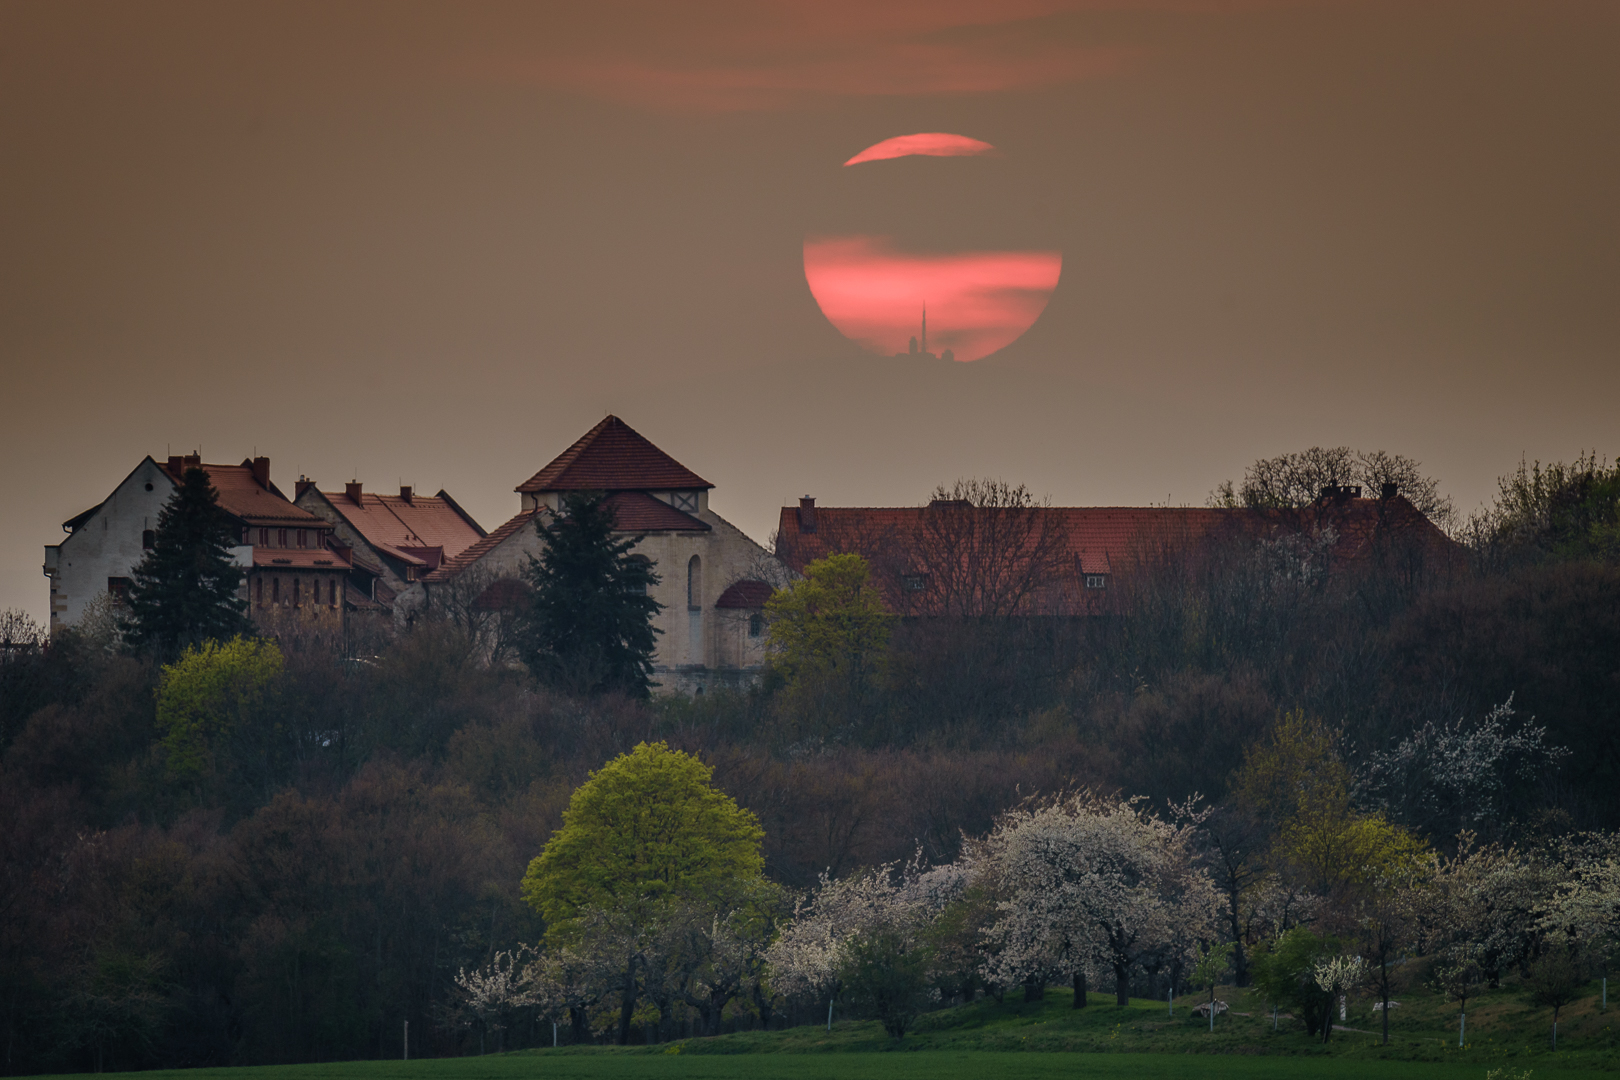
914	582
1096	581
684	500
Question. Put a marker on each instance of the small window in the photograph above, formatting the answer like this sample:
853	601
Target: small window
275	590
694	584
296	602
686	500
264	537
148	539
331	592
258	591
301	535
1096	581
118	589
914	582
639	588
756	624
281	538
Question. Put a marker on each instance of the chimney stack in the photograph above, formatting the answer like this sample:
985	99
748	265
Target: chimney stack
352	490
303	485
405	493
261	471
1389	491
807	514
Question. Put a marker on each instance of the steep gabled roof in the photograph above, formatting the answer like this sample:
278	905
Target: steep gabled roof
613	456
244	497
471	554
421	521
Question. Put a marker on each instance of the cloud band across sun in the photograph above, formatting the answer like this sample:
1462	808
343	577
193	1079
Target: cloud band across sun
978	301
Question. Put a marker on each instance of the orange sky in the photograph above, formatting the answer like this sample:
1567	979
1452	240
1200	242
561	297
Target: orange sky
434	243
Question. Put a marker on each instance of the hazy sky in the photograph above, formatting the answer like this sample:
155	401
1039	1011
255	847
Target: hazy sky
435	243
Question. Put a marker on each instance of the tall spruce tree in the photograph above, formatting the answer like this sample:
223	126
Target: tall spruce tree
184	590
589	628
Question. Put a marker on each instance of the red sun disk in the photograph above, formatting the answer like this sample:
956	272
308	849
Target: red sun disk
978	301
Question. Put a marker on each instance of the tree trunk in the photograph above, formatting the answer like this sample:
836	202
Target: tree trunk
1034	989
1079	989
1240	966
1122	985
628	1007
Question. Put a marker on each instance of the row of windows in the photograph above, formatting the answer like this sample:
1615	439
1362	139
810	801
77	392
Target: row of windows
304	538
295	592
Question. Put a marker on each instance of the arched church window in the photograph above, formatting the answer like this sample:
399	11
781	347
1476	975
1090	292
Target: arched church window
694	584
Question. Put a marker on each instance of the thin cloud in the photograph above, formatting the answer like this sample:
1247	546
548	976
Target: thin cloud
923	144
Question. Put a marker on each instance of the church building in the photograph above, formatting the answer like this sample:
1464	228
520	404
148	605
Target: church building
713	579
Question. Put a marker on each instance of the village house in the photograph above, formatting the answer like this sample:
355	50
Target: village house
713	579
295	576
395	540
951	558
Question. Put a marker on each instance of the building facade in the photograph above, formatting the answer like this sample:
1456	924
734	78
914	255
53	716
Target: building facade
713	579
295	573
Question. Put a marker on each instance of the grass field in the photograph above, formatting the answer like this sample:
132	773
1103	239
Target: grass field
1050	1038
920	1065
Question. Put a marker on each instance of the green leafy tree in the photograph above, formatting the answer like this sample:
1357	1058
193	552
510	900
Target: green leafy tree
589	628
184	590
645	837
829	633
888	973
1554	981
208	694
1285	972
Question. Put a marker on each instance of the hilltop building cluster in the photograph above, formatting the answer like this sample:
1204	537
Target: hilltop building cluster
316	562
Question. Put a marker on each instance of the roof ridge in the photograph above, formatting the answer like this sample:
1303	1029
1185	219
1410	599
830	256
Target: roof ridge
613	456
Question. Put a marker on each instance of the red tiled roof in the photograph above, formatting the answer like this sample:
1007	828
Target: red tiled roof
297	559
393	523
1094	540
636	511
613	456
474	552
745	594
242	496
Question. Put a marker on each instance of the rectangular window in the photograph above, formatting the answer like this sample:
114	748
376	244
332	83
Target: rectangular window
296	602
1096	581
686	500
275	590
258	591
756	625
914	582
264	537
281	538
331	592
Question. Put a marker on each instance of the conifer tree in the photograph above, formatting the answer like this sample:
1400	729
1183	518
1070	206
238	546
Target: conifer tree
589	628
184	590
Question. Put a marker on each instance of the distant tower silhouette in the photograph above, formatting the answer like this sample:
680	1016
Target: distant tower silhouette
913	344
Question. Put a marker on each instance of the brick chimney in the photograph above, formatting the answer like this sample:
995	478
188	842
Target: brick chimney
807	514
303	485
261	471
1389	491
352	490
405	493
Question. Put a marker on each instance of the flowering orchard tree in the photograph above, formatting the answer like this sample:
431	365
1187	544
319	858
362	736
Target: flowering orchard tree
1446	778
489	994
1092	882
897	901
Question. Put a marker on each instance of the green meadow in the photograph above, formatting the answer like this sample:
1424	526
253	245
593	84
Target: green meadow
1050	1038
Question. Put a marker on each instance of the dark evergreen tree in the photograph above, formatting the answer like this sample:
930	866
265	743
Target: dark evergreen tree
589	628
184	590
